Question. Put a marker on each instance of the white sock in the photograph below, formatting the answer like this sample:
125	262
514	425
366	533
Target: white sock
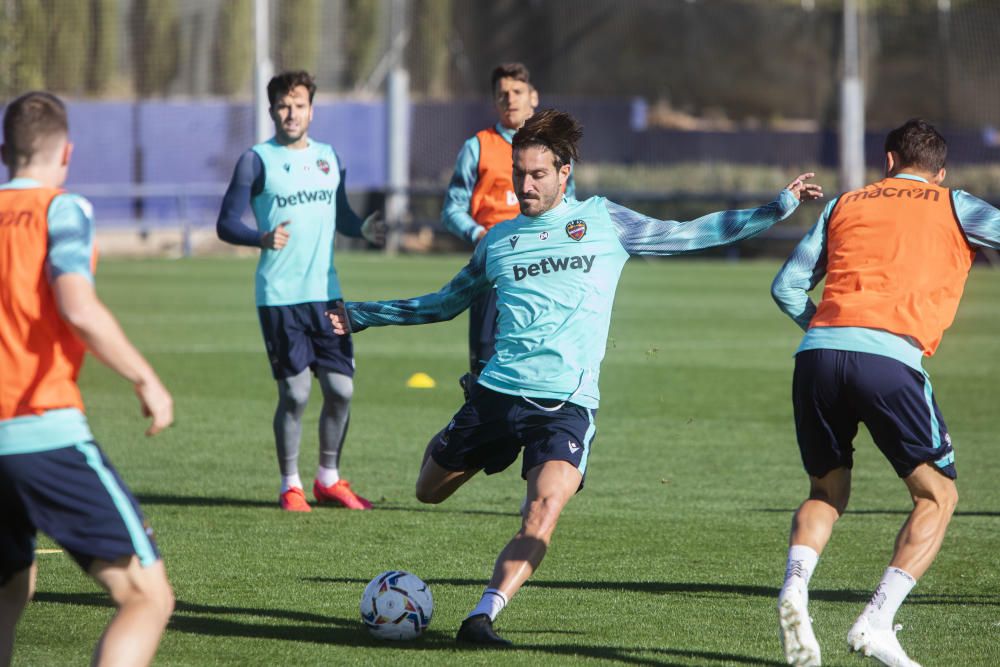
327	476
490	604
890	593
801	563
288	481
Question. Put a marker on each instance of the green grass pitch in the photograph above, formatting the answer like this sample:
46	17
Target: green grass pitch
672	555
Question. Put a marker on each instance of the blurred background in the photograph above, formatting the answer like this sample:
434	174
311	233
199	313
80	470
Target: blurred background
687	105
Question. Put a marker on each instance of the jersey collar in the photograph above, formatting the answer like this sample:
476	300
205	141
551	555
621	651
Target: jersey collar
911	177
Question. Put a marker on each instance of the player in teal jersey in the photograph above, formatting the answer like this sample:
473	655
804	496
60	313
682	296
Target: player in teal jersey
481	194
555	269
295	186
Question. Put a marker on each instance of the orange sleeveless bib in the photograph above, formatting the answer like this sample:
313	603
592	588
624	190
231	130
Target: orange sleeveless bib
40	357
897	260
493	198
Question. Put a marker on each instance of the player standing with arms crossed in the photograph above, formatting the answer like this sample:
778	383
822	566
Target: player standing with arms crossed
896	255
53	475
295	187
481	194
555	269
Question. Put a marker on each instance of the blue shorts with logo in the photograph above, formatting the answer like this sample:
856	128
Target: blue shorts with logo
488	432
835	390
75	496
300	336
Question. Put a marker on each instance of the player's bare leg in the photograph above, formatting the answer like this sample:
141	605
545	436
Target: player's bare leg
550	486
812	526
14	597
145	602
934	499
435	484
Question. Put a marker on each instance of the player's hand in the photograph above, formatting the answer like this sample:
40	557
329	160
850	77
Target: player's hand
277	238
480	233
373	229
804	191
156	402
339	320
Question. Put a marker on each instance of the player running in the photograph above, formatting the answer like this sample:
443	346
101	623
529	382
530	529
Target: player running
53	475
481	194
896	255
555	269
295	187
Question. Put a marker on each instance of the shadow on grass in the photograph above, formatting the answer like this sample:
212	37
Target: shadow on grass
700	588
210	501
217	621
791	510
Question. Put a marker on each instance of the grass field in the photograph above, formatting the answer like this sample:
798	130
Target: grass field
673	554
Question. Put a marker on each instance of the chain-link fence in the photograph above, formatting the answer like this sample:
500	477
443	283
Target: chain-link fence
679	98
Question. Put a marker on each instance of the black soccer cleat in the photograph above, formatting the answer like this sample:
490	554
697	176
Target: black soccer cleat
478	629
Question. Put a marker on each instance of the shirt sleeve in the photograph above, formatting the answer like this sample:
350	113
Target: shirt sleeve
455	212
247	181
71	237
642	235
445	304
348	222
979	220
803	270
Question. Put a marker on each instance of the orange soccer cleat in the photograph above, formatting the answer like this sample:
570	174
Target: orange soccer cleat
294	500
341	494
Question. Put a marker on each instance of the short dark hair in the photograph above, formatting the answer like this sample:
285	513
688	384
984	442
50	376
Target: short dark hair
552	129
28	122
516	71
282	84
918	145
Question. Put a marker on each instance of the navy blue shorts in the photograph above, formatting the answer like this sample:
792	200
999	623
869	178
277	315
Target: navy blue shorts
75	496
834	390
489	431
300	336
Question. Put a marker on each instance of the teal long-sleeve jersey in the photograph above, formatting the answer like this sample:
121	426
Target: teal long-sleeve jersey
556	276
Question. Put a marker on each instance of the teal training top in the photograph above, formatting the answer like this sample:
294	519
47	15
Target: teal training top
555	276
299	186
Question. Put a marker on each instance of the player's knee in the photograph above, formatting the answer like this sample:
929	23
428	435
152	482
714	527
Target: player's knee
539	518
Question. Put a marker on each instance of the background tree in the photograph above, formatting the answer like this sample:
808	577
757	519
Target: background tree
429	44
364	41
298	34
68	45
154	44
233	48
104	41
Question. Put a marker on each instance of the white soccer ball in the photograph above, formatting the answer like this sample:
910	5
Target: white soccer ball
396	605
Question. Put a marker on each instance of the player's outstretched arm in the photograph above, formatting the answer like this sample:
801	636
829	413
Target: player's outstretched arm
979	220
803	270
445	304
90	319
642	235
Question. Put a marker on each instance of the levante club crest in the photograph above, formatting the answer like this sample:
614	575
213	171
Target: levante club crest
576	229
323	165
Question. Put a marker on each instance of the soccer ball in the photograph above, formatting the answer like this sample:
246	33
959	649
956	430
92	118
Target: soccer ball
396	605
